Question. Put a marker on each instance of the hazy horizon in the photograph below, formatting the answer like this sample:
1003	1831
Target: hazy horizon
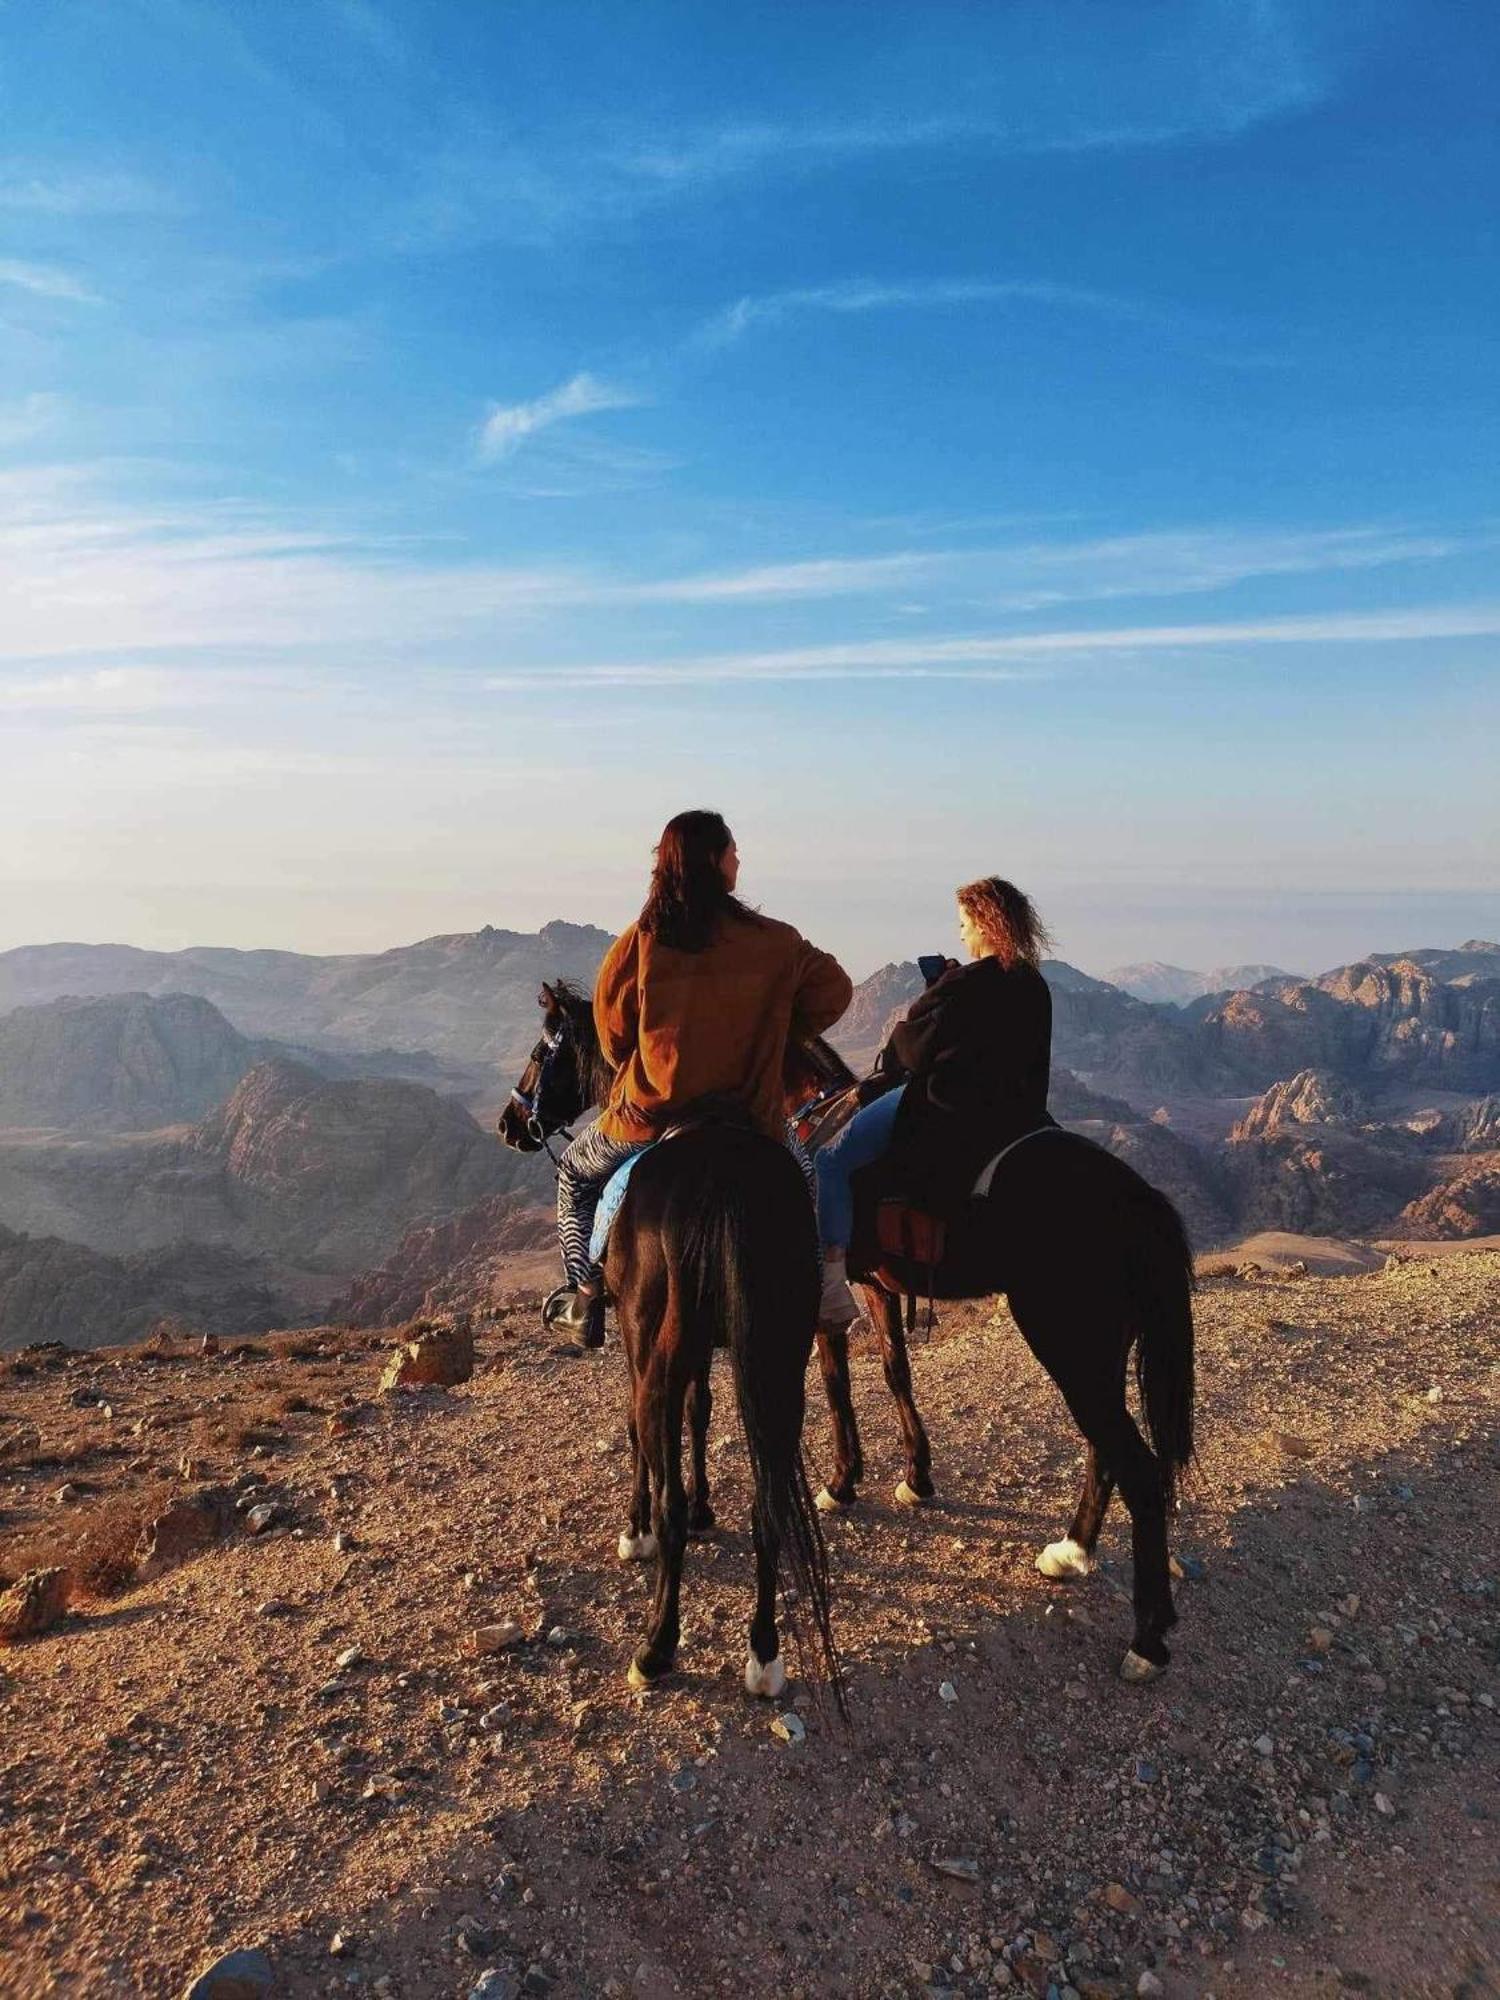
437	443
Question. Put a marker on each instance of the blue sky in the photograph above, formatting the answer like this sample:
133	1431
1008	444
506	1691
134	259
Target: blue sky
437	441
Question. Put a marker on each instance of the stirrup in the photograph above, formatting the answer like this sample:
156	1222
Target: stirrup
569	1311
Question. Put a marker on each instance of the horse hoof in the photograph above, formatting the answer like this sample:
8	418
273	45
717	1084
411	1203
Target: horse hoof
908	1496
1065	1560
766	1681
1137	1669
641	1681
828	1502
637	1548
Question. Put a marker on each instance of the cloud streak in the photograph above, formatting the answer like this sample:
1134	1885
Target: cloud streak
1015	656
864	295
507	426
44	281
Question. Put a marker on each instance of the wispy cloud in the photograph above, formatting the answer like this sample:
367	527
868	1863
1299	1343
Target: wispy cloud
46	281
28	417
1013	656
864	295
507	426
38	190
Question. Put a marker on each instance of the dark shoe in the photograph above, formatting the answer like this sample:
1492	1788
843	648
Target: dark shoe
567	1310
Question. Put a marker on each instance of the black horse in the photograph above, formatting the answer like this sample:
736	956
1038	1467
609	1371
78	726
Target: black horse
1095	1265
716	1246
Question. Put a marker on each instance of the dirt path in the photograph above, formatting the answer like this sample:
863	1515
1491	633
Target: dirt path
1306	1804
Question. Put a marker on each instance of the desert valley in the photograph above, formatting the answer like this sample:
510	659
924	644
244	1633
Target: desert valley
240	1140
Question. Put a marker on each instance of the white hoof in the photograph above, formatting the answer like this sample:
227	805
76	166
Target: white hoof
639	1681
827	1504
768	1680
1065	1560
637	1548
908	1496
1137	1669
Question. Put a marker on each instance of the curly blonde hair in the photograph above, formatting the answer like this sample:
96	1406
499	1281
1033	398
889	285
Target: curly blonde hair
1006	919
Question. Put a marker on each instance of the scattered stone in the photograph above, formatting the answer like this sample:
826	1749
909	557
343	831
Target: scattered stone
67	1495
261	1517
559	1636
344	1543
947	1691
340	1945
789	1726
350	1657
473	1938
1320	1638
1349	1606
441	1356
190	1522
1263	1746
33	1604
486	1639
1385	1805
1148	1985
496	1984
683	1781
958	1867
1120	1899
238	1975
1292	1446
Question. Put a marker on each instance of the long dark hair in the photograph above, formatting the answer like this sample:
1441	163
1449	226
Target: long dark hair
688	895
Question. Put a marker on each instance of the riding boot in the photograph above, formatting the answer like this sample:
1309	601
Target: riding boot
837	1307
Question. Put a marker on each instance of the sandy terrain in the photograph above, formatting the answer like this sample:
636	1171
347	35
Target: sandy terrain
1306	1805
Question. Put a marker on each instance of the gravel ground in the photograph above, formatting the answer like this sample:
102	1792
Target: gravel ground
281	1742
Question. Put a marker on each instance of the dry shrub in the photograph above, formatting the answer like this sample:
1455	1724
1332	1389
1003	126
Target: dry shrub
97	1549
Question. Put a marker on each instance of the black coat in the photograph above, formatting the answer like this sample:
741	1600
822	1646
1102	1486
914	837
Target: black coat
977	1051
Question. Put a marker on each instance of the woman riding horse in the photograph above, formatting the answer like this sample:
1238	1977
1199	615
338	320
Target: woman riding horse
695	1002
969	1070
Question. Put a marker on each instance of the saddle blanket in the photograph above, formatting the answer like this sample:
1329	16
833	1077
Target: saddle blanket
618	1186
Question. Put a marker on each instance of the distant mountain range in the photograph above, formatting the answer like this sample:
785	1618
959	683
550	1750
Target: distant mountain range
290	1122
1175	985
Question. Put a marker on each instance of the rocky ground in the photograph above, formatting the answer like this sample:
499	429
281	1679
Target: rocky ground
281	1742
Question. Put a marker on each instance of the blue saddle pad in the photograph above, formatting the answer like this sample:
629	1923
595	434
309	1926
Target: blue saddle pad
610	1202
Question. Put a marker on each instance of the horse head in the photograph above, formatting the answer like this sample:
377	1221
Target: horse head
561	1078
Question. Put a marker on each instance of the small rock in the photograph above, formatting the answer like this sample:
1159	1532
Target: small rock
1434	1394
537	1981
683	1781
340	1945
789	1727
343	1542
238	1975
947	1691
1292	1446
473	1938
1263	1746
559	1636
33	1604
1385	1805
956	1866
66	1495
1320	1638
496	1984
1148	1985
350	1657
1349	1606
1119	1898
441	1356
261	1517
486	1639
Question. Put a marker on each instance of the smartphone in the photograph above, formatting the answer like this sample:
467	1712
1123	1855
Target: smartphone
932	967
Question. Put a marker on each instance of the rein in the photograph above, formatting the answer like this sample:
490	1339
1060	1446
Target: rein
528	1102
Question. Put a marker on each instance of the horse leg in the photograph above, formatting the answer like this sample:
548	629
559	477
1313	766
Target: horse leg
637	1543
1136	1467
659	1407
848	1459
1073	1556
885	1314
765	1673
700	1520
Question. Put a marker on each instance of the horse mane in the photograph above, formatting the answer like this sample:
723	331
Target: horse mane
595	1075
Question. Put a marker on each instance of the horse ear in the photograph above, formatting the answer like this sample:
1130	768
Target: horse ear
547	998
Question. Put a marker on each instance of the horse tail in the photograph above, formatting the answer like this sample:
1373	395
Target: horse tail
1159	1302
758	1265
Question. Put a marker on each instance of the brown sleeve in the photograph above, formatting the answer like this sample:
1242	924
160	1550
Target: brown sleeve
824	991
616	1002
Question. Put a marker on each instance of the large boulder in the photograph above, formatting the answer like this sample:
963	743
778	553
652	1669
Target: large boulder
189	1523
33	1602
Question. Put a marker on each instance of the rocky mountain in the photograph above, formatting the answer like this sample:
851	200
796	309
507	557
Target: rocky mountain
125	1063
313	1175
464	1262
469	997
52	1290
1465	1203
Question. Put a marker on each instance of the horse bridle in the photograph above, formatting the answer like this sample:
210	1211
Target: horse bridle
528	1103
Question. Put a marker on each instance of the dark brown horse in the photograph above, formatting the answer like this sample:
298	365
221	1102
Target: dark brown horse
716	1246
1095	1266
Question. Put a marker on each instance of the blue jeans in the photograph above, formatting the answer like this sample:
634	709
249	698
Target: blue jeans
863	1139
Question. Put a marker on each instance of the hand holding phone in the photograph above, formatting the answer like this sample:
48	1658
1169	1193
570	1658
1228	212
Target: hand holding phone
932	966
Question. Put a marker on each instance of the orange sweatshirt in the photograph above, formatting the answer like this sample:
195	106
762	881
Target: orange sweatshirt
681	1025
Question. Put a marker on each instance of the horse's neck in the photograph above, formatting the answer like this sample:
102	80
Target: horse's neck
594	1074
